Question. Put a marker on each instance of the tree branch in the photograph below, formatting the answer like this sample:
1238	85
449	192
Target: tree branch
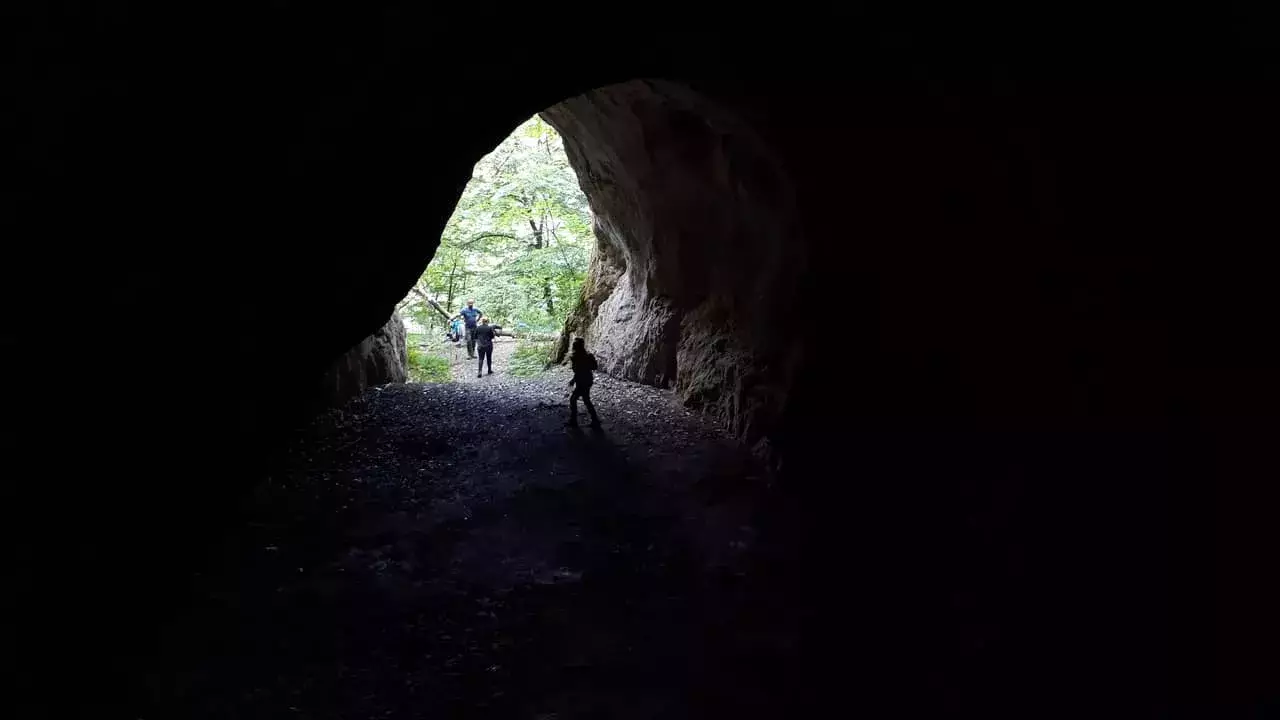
434	305
503	164
482	236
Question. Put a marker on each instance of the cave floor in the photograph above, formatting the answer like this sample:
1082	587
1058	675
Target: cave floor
463	369
455	551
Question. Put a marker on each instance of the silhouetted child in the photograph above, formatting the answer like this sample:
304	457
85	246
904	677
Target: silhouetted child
583	364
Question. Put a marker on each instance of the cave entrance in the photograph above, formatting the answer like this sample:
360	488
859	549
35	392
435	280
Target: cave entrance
518	244
467	545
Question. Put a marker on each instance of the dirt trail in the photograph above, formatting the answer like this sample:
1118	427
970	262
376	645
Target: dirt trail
453	550
463	369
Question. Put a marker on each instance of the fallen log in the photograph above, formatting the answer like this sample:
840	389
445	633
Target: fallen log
436	306
533	336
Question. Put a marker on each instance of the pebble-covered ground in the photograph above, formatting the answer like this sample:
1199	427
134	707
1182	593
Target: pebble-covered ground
463	369
454	550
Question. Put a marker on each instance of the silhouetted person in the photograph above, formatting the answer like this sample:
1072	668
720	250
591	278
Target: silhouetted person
482	335
583	364
470	318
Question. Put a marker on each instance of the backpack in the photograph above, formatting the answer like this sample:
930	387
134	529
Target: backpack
587	362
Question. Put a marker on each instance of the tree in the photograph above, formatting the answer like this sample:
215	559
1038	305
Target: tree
520	239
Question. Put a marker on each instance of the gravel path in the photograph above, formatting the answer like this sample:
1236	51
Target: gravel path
463	369
453	550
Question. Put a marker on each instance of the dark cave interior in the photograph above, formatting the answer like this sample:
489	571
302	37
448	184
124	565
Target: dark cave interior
1052	404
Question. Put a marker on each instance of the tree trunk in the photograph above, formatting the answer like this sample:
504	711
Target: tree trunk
534	336
438	309
434	306
448	298
537	234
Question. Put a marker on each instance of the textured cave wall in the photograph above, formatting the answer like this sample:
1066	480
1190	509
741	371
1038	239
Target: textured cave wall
1058	327
376	360
694	282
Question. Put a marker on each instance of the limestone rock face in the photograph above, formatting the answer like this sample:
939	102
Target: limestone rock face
698	253
376	360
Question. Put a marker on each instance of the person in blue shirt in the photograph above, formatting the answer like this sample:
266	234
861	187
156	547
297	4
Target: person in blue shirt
470	317
455	329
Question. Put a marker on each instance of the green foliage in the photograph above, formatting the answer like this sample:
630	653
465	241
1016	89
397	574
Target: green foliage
530	358
425	367
425	316
519	241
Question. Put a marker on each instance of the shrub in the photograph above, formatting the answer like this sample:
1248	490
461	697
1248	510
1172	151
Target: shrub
426	367
530	358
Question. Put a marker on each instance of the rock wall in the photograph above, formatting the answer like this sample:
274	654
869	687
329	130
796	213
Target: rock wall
375	360
698	254
1053	262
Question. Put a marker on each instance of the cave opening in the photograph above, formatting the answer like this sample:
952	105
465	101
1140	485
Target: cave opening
981	316
644	217
515	250
458	524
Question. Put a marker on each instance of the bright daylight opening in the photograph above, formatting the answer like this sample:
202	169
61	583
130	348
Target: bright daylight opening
518	244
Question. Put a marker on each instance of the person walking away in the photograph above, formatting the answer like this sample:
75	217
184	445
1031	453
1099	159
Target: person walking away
583	364
470	318
483	335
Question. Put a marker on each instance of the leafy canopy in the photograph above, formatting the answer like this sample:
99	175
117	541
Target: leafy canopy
519	241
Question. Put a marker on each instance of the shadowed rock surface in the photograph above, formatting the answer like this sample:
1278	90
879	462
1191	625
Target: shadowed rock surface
377	360
685	292
1032	476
